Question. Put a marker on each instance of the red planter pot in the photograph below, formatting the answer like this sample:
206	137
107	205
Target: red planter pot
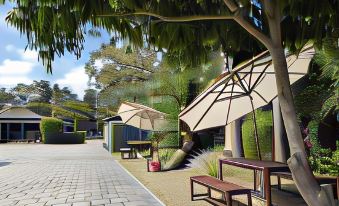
154	166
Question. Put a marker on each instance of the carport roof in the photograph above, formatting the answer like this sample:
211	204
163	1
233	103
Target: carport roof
16	113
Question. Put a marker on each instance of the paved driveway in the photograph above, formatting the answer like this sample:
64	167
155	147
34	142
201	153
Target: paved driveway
66	175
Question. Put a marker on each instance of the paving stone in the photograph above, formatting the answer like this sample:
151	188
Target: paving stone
66	175
100	202
82	204
115	204
62	205
27	201
56	201
116	200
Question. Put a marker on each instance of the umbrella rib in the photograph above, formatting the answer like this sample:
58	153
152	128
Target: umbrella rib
228	92
241	83
258	79
129	118
234	97
261	96
129	110
229	106
209	107
149	117
255	129
251	74
203	97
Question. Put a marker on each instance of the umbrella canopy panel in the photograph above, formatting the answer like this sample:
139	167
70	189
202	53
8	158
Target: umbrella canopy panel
141	116
247	87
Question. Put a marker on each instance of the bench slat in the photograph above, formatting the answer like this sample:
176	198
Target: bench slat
217	184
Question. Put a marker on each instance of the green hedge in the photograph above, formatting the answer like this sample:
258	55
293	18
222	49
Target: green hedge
264	125
50	125
65	138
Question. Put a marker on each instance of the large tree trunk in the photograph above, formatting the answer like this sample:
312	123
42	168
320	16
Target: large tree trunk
313	194
302	174
303	177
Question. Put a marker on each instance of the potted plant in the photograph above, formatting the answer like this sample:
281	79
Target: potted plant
154	165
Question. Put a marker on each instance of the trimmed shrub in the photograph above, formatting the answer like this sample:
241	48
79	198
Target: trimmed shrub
82	133
265	130
65	138
49	125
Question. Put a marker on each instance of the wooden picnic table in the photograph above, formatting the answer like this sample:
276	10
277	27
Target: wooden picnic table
138	144
267	167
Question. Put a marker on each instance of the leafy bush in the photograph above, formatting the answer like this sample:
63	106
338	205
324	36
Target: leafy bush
50	125
264	126
313	134
218	148
206	162
326	161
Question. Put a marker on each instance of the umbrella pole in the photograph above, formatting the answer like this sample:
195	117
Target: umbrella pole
256	130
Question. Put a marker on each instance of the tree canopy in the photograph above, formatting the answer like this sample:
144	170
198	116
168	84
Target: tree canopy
188	30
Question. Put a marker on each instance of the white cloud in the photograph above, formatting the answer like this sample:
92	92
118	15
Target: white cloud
13	72
76	79
11	81
13	67
28	55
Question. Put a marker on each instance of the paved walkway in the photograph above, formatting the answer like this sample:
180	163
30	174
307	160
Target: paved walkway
66	175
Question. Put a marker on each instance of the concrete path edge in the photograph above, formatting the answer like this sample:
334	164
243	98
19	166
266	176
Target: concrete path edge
142	185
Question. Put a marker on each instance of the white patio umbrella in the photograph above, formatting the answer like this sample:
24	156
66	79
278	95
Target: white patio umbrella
249	86
141	116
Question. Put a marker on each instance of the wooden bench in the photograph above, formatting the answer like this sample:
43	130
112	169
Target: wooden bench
128	151
227	189
321	180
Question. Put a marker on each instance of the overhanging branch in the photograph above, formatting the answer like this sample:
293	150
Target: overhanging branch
246	25
171	18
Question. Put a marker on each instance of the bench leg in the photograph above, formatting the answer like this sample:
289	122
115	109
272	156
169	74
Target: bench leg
209	192
249	199
192	190
228	199
255	180
279	182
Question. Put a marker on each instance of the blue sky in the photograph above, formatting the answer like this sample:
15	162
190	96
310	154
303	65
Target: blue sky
18	66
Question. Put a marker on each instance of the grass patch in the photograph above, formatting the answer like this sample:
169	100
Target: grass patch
206	162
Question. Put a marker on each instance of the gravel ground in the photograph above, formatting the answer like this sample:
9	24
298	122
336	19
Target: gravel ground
173	188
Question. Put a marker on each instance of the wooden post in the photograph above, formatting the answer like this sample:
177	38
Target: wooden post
8	130
267	186
22	130
220	170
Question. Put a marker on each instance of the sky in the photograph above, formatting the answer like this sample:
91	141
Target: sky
20	66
